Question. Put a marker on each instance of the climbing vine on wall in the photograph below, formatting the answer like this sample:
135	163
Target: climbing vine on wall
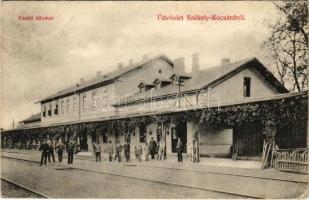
275	114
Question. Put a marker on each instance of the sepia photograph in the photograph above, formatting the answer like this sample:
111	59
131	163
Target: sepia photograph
154	99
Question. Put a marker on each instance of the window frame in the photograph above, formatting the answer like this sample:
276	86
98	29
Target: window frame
44	111
49	112
94	100
62	107
56	110
247	86
68	105
74	103
84	102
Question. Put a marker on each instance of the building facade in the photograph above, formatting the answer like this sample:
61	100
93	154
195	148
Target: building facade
156	98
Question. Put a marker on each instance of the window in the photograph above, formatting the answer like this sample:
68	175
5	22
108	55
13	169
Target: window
49	110
74	104
105	101
56	109
68	105
247	86
44	111
94	100
62	107
142	133
84	102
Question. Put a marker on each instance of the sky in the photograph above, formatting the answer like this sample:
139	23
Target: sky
42	57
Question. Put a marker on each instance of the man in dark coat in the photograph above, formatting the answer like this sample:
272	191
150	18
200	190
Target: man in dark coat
44	148
51	151
60	148
71	147
152	148
118	150
126	148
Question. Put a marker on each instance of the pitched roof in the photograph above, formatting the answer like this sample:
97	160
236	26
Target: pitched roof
158	80
183	75
103	80
208	77
144	83
33	118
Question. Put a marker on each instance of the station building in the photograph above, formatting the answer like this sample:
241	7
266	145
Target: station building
223	108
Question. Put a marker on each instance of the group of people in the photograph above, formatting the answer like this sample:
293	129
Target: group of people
8	143
48	148
152	149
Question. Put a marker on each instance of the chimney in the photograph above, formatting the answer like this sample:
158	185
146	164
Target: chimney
225	61
179	65
99	74
195	62
130	62
120	65
145	57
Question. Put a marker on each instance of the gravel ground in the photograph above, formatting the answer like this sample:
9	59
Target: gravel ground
9	190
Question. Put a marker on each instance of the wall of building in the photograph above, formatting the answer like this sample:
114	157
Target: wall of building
105	95
102	108
65	113
30	124
127	84
232	88
216	143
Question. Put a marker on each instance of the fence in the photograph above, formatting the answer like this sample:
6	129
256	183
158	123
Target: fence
291	160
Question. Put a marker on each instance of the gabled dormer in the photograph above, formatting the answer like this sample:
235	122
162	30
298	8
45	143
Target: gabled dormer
143	86
179	78
159	83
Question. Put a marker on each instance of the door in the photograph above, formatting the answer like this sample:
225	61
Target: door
248	140
180	131
83	140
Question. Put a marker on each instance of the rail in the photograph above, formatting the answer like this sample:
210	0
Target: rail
40	195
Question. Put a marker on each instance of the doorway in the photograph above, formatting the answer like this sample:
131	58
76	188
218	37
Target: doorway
83	140
180	131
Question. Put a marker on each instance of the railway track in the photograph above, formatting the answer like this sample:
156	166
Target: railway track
53	166
199	171
29	190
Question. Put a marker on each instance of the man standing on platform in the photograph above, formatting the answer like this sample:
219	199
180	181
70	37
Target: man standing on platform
179	150
152	148
60	148
118	149
97	150
51	151
110	151
44	148
71	147
126	148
